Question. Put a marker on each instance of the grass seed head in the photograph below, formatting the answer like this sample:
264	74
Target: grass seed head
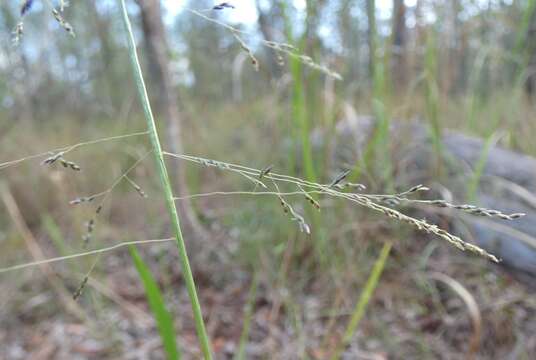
64	24
18	32
222	6
26	6
80	288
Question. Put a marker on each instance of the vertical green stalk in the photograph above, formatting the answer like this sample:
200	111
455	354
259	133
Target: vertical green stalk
521	49
166	186
474	98
375	157
248	312
300	116
300	124
364	299
432	97
372	39
163	318
474	182
299	109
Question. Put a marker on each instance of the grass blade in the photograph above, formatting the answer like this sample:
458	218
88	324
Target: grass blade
364	299
248	312
163	318
474	182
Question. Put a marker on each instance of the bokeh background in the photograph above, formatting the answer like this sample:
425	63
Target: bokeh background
435	92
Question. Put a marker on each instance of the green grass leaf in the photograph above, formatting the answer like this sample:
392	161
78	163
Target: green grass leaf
364	299
161	315
248	313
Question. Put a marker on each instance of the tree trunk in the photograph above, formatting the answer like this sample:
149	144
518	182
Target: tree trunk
399	43
312	21
530	83
102	27
348	27
371	36
312	45
167	101
267	33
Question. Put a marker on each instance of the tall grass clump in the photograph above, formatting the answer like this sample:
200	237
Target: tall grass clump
432	96
300	118
374	152
166	185
522	52
302	101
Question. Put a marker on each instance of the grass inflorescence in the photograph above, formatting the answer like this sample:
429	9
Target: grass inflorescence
57	13
336	188
279	47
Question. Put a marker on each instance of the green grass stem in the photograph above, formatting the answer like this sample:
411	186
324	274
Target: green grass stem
248	313
166	186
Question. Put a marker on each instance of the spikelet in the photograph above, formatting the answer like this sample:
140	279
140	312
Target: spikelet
136	187
339	178
64	24
26	6
78	291
222	6
58	157
18	32
90	225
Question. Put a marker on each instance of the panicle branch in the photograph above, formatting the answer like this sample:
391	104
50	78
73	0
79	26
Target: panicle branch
338	188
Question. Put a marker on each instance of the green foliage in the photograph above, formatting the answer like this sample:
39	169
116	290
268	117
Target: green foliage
163	318
248	312
364	299
301	120
474	182
432	95
376	159
524	45
55	234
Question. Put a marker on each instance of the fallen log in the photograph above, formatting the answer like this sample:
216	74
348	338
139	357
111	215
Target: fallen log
507	183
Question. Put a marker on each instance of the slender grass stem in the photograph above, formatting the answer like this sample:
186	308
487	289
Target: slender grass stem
82	254
69	148
166	186
248	312
364	299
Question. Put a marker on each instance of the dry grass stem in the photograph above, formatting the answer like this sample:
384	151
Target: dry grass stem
66	149
472	307
44	261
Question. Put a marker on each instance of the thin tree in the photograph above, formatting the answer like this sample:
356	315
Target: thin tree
266	19
530	83
399	43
